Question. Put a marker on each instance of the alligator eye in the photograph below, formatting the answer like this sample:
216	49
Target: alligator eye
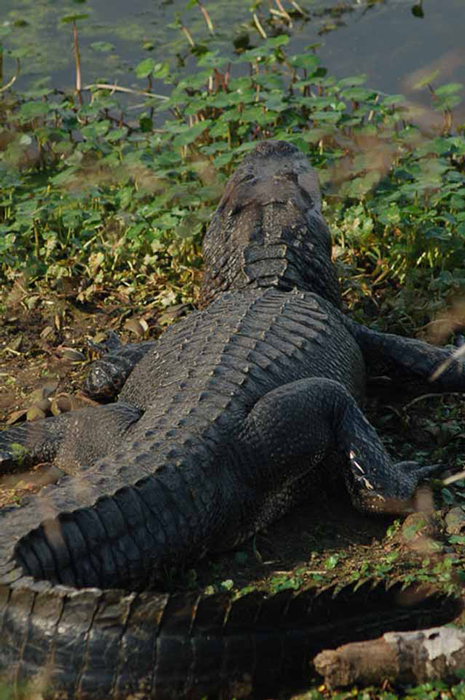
248	178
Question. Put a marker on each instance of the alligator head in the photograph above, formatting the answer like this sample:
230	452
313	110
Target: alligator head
268	230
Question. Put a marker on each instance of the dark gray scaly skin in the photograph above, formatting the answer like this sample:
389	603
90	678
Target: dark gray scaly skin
222	425
108	375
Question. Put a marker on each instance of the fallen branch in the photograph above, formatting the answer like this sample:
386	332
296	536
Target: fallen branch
399	657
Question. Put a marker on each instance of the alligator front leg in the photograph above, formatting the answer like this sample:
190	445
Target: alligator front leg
70	440
304	428
108	374
409	360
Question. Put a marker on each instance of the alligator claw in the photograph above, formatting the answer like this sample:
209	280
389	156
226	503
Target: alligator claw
110	344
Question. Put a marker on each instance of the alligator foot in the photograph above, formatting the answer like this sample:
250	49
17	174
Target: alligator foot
70	440
317	420
407	360
112	343
107	375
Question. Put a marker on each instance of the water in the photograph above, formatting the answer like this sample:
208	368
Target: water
385	41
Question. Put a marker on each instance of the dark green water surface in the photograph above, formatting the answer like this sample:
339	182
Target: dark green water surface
383	39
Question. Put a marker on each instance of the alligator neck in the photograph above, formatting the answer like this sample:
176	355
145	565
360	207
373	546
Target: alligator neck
268	230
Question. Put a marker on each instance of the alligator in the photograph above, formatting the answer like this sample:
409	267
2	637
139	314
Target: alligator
234	415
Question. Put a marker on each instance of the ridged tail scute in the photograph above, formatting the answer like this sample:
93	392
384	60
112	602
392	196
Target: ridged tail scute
91	644
268	229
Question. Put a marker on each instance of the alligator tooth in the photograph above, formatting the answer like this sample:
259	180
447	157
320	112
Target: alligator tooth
367	484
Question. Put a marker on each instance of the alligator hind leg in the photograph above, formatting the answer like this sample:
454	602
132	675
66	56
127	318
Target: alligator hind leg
409	360
107	375
296	431
70	440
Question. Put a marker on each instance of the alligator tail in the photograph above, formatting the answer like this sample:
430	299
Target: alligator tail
89	643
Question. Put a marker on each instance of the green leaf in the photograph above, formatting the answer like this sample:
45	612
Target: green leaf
226	99
315	135
358	94
22	52
102	46
457	203
389	100
331	117
31	110
41	92
457	539
447	102
227	585
95	129
276	103
212	59
277	41
117	134
219	130
145	123
332	561
448	89
309	61
223	159
64	177
74	17
145	67
251	55
426	80
161	70
270	81
191	134
353	80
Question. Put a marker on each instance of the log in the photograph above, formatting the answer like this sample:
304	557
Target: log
402	658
